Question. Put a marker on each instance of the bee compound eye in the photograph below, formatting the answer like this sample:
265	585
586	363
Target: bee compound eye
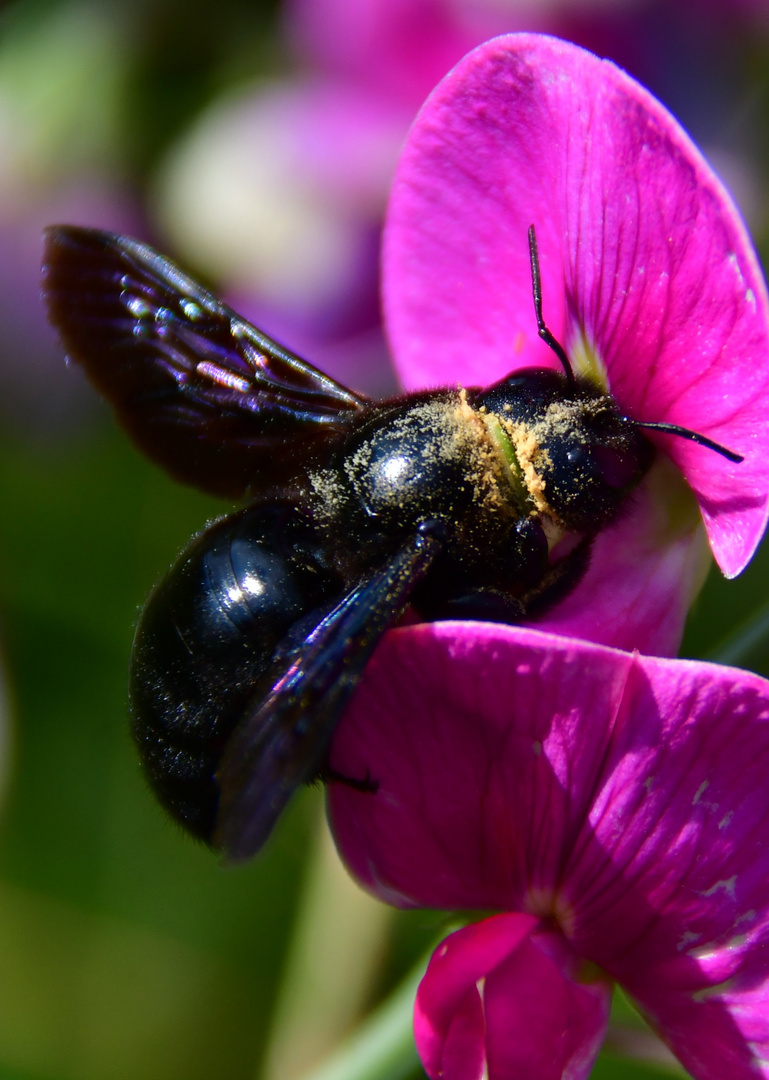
616	468
606	465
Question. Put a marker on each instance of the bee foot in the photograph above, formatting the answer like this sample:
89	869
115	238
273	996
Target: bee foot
367	785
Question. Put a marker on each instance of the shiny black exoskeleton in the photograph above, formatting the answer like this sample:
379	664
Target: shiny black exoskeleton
208	636
462	503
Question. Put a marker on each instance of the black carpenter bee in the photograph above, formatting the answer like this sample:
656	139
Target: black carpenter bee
463	503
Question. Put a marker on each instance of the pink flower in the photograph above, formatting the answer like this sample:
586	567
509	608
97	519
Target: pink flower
59	160
399	49
615	809
649	281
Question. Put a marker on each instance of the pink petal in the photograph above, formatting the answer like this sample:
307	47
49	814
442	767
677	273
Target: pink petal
475	734
399	48
542	1022
402	47
461	1052
449	1026
497	994
643	255
624	798
644	574
668	888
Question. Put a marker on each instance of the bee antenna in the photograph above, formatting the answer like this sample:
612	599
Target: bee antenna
693	436
536	285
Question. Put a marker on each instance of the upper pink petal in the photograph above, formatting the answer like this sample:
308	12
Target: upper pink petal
643	256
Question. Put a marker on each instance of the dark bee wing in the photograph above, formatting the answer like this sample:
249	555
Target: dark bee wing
200	390
283	740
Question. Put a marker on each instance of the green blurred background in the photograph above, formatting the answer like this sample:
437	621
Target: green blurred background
125	950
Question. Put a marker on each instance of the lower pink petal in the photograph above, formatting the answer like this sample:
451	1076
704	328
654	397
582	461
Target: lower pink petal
505	996
449	1027
625	797
667	889
542	1023
461	1053
726	1036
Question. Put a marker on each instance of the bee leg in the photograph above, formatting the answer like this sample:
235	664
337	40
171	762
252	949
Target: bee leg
367	785
483	605
560	579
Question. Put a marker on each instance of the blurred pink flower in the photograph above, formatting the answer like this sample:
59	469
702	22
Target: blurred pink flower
280	190
38	393
400	49
61	78
649	281
614	808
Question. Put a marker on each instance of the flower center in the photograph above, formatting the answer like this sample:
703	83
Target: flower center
587	362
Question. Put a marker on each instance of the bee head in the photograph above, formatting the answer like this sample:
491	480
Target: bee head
579	457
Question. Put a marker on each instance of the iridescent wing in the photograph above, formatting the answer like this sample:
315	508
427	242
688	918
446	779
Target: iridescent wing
199	389
284	738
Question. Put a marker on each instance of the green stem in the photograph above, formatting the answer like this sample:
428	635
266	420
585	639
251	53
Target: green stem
382	1048
339	938
739	647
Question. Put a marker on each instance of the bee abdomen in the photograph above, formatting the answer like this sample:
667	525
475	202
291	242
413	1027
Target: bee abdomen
207	639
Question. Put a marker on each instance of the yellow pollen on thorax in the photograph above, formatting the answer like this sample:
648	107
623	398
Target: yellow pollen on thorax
531	457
